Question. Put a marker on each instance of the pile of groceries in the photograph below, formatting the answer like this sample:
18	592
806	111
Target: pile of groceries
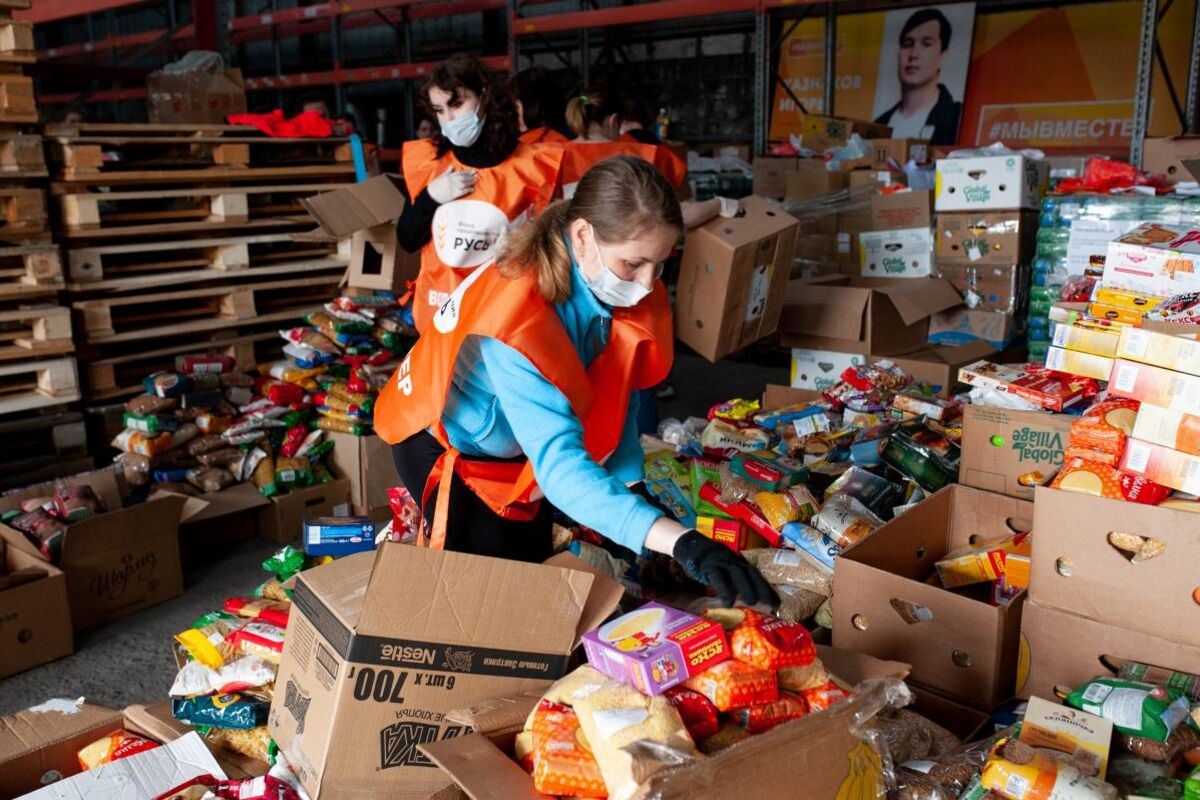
208	425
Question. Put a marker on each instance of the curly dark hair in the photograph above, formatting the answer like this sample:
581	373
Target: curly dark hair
463	71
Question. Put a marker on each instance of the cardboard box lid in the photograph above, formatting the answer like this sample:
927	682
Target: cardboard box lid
828	307
497	715
916	299
32	733
481	769
776	396
761	218
360	205
603	598
242	497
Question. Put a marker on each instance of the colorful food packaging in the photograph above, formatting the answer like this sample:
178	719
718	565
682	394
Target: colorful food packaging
167	384
1134	708
149	423
1053	391
764	717
1016	771
844	524
735	684
655	647
699	715
977	563
142	443
742	510
729	532
1155	386
727	438
736	410
704	471
260	638
234	711
563	763
1116	314
777	419
770	643
803	678
246	672
670	482
251	607
821	698
75	502
338	536
1075	363
795	504
193	364
1173	429
44	531
1106	426
1091	477
1178	353
1084	337
938	408
207	640
255	743
115	745
772	474
787	567
817	547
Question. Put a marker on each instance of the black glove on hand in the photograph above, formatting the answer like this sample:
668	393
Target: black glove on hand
714	564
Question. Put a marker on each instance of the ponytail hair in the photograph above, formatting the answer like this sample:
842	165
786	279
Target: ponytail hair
591	107
621	197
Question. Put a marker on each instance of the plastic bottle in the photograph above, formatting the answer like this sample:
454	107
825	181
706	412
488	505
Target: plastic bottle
662	125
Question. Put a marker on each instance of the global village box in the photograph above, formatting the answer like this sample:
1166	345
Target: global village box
369	674
1010	451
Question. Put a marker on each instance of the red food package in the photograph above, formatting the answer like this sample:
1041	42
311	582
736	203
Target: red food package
771	643
259	638
107	749
1106	426
823	697
266	787
1091	477
744	511
761	718
735	684
406	517
282	394
697	711
270	611
193	364
292	441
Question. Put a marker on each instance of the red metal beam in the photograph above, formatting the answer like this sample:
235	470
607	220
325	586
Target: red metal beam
137	93
628	15
444	8
51	10
313	12
114	43
391	72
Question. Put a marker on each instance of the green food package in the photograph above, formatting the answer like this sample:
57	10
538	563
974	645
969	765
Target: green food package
286	562
1191	786
1136	709
704	471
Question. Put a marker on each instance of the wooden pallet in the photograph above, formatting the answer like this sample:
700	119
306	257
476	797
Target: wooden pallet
149	316
23	211
16	99
41	446
117	371
16	42
82	156
35	331
171	211
344	171
29	271
21	156
144	265
37	384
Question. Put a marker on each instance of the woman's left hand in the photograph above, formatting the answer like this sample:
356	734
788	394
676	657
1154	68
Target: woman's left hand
715	565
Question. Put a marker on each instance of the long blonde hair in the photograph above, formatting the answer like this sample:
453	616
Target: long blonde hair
621	197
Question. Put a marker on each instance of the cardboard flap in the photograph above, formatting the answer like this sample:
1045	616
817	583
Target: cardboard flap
917	299
603	598
155	721
1192	165
480	769
819	309
760	218
137	523
499	715
191	507
238	498
315	235
361	205
55	721
853	668
776	396
964	353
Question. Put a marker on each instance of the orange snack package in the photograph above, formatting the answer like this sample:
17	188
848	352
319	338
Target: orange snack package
735	684
761	718
771	643
1088	454
1105	426
563	763
1101	480
823	697
107	749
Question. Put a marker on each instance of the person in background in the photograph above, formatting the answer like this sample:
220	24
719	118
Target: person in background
425	128
470	182
926	109
525	386
539	106
73	117
635	122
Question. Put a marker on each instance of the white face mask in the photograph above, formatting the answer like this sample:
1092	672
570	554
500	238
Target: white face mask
609	288
464	130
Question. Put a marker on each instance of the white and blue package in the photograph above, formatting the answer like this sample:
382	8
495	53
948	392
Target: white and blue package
811	542
338	536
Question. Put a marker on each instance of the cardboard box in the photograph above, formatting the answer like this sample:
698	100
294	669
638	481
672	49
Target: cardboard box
196	97
1002	446
1155	259
963	325
891	153
816	752
939	366
770	174
732	279
1072	362
155	721
860	315
283	519
368	676
811	178
818	370
776	396
228	518
1076	569
997	288
1163	465
1084	338
821	132
901	210
990	183
1173	429
367	463
896	254
999	238
1166	155
38	746
118	562
820	248
887	603
1155	385
877	178
35	620
1062	650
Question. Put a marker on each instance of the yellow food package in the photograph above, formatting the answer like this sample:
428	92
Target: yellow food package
795	504
563	763
107	749
1016	771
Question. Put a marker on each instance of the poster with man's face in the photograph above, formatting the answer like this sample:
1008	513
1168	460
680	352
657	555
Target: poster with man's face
923	65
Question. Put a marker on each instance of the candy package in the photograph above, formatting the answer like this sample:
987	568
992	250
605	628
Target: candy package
116	745
233	711
735	684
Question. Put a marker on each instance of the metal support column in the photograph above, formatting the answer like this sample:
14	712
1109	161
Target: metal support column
1145	72
1193	80
513	48
762	65
278	55
410	112
335	38
830	56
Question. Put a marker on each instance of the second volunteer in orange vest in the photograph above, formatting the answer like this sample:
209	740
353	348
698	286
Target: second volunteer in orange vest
470	183
539	106
524	385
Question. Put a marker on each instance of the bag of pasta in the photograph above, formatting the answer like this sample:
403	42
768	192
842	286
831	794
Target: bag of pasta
563	763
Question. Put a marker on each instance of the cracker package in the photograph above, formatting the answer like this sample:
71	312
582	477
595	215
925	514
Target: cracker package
1101	480
735	684
563	763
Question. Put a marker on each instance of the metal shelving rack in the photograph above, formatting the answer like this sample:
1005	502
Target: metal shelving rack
772	20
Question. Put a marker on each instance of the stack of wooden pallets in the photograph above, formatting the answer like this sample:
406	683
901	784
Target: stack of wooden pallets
178	239
39	438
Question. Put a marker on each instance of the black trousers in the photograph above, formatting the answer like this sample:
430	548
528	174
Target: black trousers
471	526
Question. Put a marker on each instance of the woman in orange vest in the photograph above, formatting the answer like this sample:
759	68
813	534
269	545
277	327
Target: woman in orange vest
470	183
525	383
539	106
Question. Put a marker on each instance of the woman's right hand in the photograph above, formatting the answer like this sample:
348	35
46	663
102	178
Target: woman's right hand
715	565
451	185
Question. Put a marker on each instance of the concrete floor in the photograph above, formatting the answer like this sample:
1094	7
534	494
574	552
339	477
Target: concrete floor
130	660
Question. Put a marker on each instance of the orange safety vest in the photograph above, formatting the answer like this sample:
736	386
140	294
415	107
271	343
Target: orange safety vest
466	230
673	168
542	135
579	157
638	355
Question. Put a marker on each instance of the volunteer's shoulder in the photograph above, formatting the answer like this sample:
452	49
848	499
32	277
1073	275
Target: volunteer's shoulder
539	160
419	150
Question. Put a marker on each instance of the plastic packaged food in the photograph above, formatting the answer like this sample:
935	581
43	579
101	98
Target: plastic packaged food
730	734
291	472
282	393
791	505
44	531
735	684
1186	682
240	674
228	458
1185	737
73	502
260	638
233	711
205	444
843	523
1016	771
149	423
106	749
764	717
743	510
210	479
726	438
770	474
150	404
343	426
817	548
786	567
801	679
1134	708
1106	426
147	444
263	475
254	743
769	643
822	697
698	713
289	373
563	764
167	384
1101	480
193	364
251	607
207	641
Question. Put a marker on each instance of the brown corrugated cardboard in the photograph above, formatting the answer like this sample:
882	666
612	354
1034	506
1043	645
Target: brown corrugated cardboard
770	174
157	722
776	396
888	602
900	210
1076	568
35	620
961	325
998	287
899	152
196	97
283	519
38	746
816	752
1060	650
367	463
860	315
229	518
880	178
732	279
939	366
118	562
1000	446
820	132
1167	154
998	237
369	675
811	178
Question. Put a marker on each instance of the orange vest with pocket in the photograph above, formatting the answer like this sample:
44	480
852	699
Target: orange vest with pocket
638	355
466	231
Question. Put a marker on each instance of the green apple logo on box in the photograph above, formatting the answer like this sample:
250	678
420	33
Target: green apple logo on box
1038	446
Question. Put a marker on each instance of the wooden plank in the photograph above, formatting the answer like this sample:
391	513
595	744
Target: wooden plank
162	229
77	129
36	384
29	271
332	262
213	173
117	141
23	210
45	468
33	331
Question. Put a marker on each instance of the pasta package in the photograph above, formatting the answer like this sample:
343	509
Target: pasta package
254	743
769	643
232	711
735	684
563	763
115	745
207	639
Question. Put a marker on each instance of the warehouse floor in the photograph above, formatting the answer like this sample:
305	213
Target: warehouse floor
130	661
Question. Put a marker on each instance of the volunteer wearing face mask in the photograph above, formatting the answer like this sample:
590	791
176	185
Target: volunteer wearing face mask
525	385
595	117
470	183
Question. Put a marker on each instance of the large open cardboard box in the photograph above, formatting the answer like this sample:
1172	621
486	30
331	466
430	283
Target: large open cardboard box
35	619
889	603
38	746
282	520
939	366
367	463
1000	446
